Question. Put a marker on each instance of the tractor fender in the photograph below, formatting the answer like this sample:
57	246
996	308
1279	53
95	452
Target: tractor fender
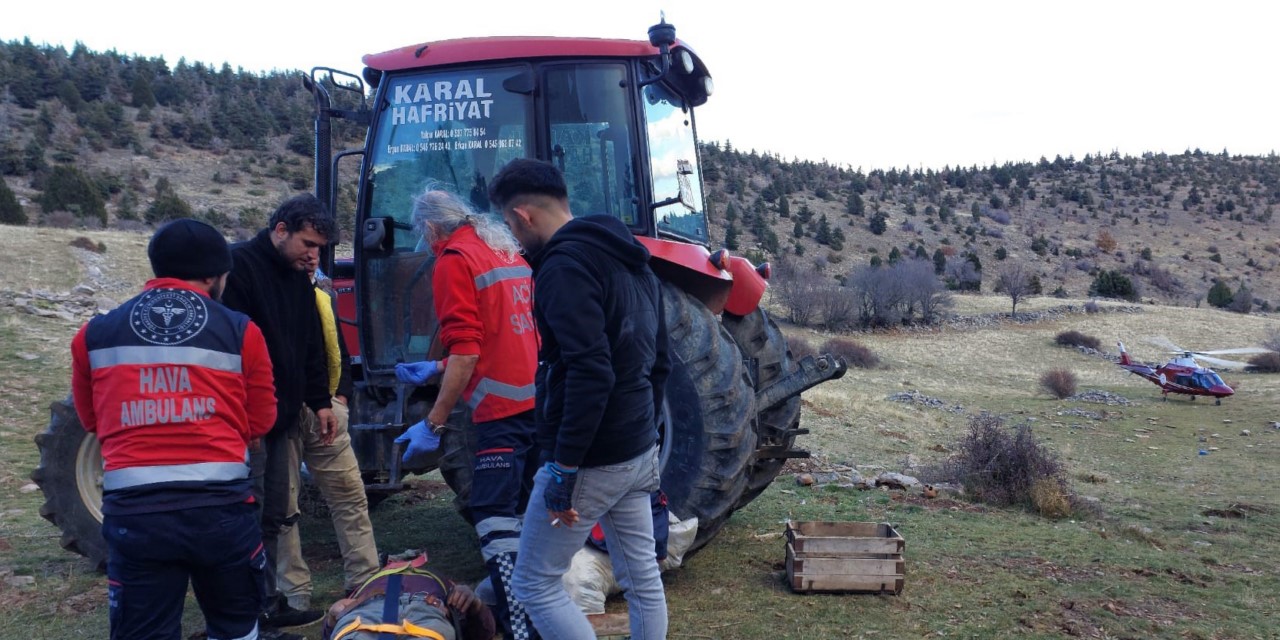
737	288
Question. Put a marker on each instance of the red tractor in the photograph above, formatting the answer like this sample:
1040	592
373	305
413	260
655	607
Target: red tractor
616	116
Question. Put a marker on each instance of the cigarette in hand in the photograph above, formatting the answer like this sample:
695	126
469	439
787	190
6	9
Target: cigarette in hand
555	522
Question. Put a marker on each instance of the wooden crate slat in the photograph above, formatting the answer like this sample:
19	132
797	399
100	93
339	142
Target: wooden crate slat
869	584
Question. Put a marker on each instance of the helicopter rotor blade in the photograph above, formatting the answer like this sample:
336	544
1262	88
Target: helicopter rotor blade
1219	362
1223	352
1165	343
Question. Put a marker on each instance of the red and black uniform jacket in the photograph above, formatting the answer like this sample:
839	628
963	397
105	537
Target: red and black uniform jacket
174	385
485	305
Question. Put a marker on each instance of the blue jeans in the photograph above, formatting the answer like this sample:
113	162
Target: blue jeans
151	557
616	496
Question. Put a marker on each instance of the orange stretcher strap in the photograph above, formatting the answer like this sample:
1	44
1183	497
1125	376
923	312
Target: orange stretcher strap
405	629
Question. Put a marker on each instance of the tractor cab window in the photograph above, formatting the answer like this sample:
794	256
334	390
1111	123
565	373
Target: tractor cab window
589	138
450	130
673	156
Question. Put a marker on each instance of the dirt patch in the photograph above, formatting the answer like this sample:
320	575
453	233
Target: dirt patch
1238	510
817	409
897	435
84	602
1184	578
937	504
1048	569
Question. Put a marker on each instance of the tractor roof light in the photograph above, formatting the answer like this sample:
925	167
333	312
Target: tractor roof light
686	61
707	85
720	259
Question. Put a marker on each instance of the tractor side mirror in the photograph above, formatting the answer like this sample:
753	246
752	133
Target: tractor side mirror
378	235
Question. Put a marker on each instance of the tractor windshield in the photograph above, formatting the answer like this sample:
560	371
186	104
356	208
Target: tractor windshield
450	130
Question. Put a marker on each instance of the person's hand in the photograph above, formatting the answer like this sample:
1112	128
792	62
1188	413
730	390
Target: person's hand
417	372
558	495
419	440
462	598
327	423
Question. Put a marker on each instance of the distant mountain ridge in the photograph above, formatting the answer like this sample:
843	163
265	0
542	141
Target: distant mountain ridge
100	139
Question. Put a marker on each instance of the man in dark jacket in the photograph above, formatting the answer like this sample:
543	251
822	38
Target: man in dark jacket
270	284
603	367
175	386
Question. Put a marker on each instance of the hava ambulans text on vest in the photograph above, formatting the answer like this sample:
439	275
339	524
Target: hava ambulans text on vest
155	380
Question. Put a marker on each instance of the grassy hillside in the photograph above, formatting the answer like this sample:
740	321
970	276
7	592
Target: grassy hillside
1180	546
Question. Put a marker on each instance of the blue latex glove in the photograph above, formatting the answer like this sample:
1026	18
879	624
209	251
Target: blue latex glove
559	493
420	442
417	372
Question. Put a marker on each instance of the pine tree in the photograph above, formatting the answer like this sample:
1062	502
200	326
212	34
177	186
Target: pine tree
731	236
854	206
895	256
879	223
69	189
798	230
823	236
939	262
10	211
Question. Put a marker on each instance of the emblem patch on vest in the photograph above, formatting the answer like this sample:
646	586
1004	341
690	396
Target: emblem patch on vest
169	316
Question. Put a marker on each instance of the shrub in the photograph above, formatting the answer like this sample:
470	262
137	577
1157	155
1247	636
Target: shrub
1265	363
88	245
800	348
1077	339
1060	383
1219	295
855	354
1003	468
1092	307
1113	284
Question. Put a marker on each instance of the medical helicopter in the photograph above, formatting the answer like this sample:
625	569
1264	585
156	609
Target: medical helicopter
1183	374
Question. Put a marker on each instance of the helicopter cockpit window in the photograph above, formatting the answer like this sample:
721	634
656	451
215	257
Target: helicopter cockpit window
673	155
450	129
590	142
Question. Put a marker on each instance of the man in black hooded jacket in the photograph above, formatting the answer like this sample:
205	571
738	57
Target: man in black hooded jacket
269	282
603	366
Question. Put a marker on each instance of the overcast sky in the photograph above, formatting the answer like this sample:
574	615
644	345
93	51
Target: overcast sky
866	84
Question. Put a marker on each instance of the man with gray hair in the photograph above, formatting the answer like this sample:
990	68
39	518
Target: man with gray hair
483	296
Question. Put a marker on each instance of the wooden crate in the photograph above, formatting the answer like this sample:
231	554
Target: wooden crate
834	557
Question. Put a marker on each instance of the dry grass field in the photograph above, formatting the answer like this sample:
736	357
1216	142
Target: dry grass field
1178	545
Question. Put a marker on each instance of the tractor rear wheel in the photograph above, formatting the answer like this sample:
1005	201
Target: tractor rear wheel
706	434
759	338
70	475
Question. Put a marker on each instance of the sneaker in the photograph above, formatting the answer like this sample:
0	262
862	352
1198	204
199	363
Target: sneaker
276	634
284	616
